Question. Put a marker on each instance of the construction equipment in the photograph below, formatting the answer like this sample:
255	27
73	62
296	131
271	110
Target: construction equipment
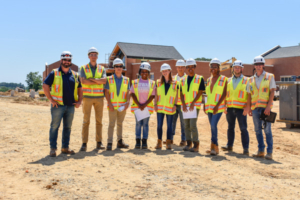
226	65
41	93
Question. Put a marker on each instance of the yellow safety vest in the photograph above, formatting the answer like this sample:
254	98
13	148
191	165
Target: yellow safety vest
135	84
178	84
117	100
214	97
94	90
237	98
260	98
57	87
165	103
190	95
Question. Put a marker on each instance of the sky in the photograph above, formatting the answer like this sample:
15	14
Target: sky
36	32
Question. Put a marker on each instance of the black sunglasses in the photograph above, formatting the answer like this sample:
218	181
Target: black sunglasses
67	60
118	66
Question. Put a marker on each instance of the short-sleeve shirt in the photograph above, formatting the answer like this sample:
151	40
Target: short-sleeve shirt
93	69
68	85
143	88
258	80
189	80
236	80
118	84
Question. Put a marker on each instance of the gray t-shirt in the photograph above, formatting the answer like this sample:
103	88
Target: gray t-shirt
118	84
236	80
258	80
93	69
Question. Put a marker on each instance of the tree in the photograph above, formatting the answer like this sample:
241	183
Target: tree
3	89
203	59
34	81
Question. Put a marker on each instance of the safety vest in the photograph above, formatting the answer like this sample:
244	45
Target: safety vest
190	95
118	100
57	87
237	98
94	90
135	84
214	97
178	84
165	103
260	97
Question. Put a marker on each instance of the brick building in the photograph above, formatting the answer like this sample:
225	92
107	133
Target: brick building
285	61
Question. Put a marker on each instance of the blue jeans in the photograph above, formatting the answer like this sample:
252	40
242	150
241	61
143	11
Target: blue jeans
138	128
213	120
258	130
160	122
57	114
178	112
232	115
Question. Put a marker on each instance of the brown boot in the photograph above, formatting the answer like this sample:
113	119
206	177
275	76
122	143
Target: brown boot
195	148
212	148
53	153
159	144
182	143
259	154
67	151
217	149
168	145
165	142
188	145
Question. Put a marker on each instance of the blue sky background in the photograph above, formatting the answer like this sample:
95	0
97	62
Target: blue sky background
35	32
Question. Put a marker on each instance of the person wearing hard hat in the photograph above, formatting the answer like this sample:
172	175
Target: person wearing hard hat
260	90
180	67
93	78
142	92
215	105
117	96
192	87
65	94
164	104
236	101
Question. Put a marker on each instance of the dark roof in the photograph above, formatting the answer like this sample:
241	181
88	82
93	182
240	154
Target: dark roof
282	52
148	51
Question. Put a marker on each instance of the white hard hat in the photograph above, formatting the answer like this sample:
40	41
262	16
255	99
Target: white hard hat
237	63
92	50
215	61
146	66
259	59
165	66
190	61
180	63
66	55
117	61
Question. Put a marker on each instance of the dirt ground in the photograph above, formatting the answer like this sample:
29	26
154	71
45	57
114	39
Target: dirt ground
27	172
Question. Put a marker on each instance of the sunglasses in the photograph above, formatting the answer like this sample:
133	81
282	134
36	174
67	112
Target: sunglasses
66	60
258	64
118	66
93	55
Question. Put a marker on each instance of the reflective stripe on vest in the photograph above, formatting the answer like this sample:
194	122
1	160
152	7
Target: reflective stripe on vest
95	89
214	97
237	98
190	95
166	102
121	99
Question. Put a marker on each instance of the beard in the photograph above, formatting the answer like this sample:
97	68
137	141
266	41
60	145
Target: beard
66	66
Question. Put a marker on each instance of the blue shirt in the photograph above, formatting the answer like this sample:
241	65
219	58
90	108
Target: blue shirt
118	84
68	86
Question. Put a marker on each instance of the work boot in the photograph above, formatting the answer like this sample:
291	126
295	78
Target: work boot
165	142
212	148
182	143
168	145
227	148
246	152
269	156
195	148
67	151
53	153
109	147
159	144
121	144
217	149
259	154
83	147
188	145
138	143
144	144
100	145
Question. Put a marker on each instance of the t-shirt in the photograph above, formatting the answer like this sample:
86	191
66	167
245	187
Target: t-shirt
93	69
189	80
236	80
167	86
68	85
143	90
118	84
258	80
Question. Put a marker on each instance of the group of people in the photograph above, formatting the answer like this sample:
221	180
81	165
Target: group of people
171	96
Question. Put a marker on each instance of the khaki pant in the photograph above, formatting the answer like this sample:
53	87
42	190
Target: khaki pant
88	103
113	117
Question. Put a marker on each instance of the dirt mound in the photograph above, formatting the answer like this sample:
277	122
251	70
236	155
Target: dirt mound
31	101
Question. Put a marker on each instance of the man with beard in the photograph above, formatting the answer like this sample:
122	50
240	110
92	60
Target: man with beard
236	101
66	93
